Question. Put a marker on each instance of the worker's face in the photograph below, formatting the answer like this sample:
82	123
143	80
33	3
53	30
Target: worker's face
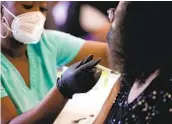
20	7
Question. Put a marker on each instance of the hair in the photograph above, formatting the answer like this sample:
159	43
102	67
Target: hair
144	41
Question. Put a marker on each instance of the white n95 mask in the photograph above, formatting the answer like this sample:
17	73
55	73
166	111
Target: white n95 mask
26	28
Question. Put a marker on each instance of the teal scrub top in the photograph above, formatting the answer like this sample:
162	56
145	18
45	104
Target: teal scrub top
55	49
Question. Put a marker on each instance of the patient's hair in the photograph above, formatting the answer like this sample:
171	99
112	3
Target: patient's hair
145	40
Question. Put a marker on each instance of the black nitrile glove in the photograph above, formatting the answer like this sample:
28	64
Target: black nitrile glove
79	77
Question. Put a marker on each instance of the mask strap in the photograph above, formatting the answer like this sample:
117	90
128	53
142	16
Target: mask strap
6	24
8	11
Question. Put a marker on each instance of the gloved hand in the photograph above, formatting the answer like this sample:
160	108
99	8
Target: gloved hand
79	77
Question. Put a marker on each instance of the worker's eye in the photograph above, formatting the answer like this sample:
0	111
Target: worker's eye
43	9
28	6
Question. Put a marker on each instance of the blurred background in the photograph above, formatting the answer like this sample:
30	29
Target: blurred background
85	19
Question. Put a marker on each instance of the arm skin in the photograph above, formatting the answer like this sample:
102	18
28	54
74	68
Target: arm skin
46	112
108	103
98	49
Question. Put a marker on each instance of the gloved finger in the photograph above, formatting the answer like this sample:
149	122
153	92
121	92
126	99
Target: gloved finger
97	76
93	70
92	63
94	79
88	72
87	59
88	66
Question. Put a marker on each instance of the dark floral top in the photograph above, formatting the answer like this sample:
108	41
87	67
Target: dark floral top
153	106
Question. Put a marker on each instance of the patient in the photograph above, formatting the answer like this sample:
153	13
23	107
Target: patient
140	44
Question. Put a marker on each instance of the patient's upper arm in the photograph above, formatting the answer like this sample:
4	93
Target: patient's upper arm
8	110
108	104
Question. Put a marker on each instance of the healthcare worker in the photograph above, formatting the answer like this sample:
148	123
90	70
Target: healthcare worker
30	56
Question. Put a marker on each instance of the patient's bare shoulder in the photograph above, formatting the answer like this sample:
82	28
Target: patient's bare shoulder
108	103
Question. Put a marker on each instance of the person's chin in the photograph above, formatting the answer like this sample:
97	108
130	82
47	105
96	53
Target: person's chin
15	41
